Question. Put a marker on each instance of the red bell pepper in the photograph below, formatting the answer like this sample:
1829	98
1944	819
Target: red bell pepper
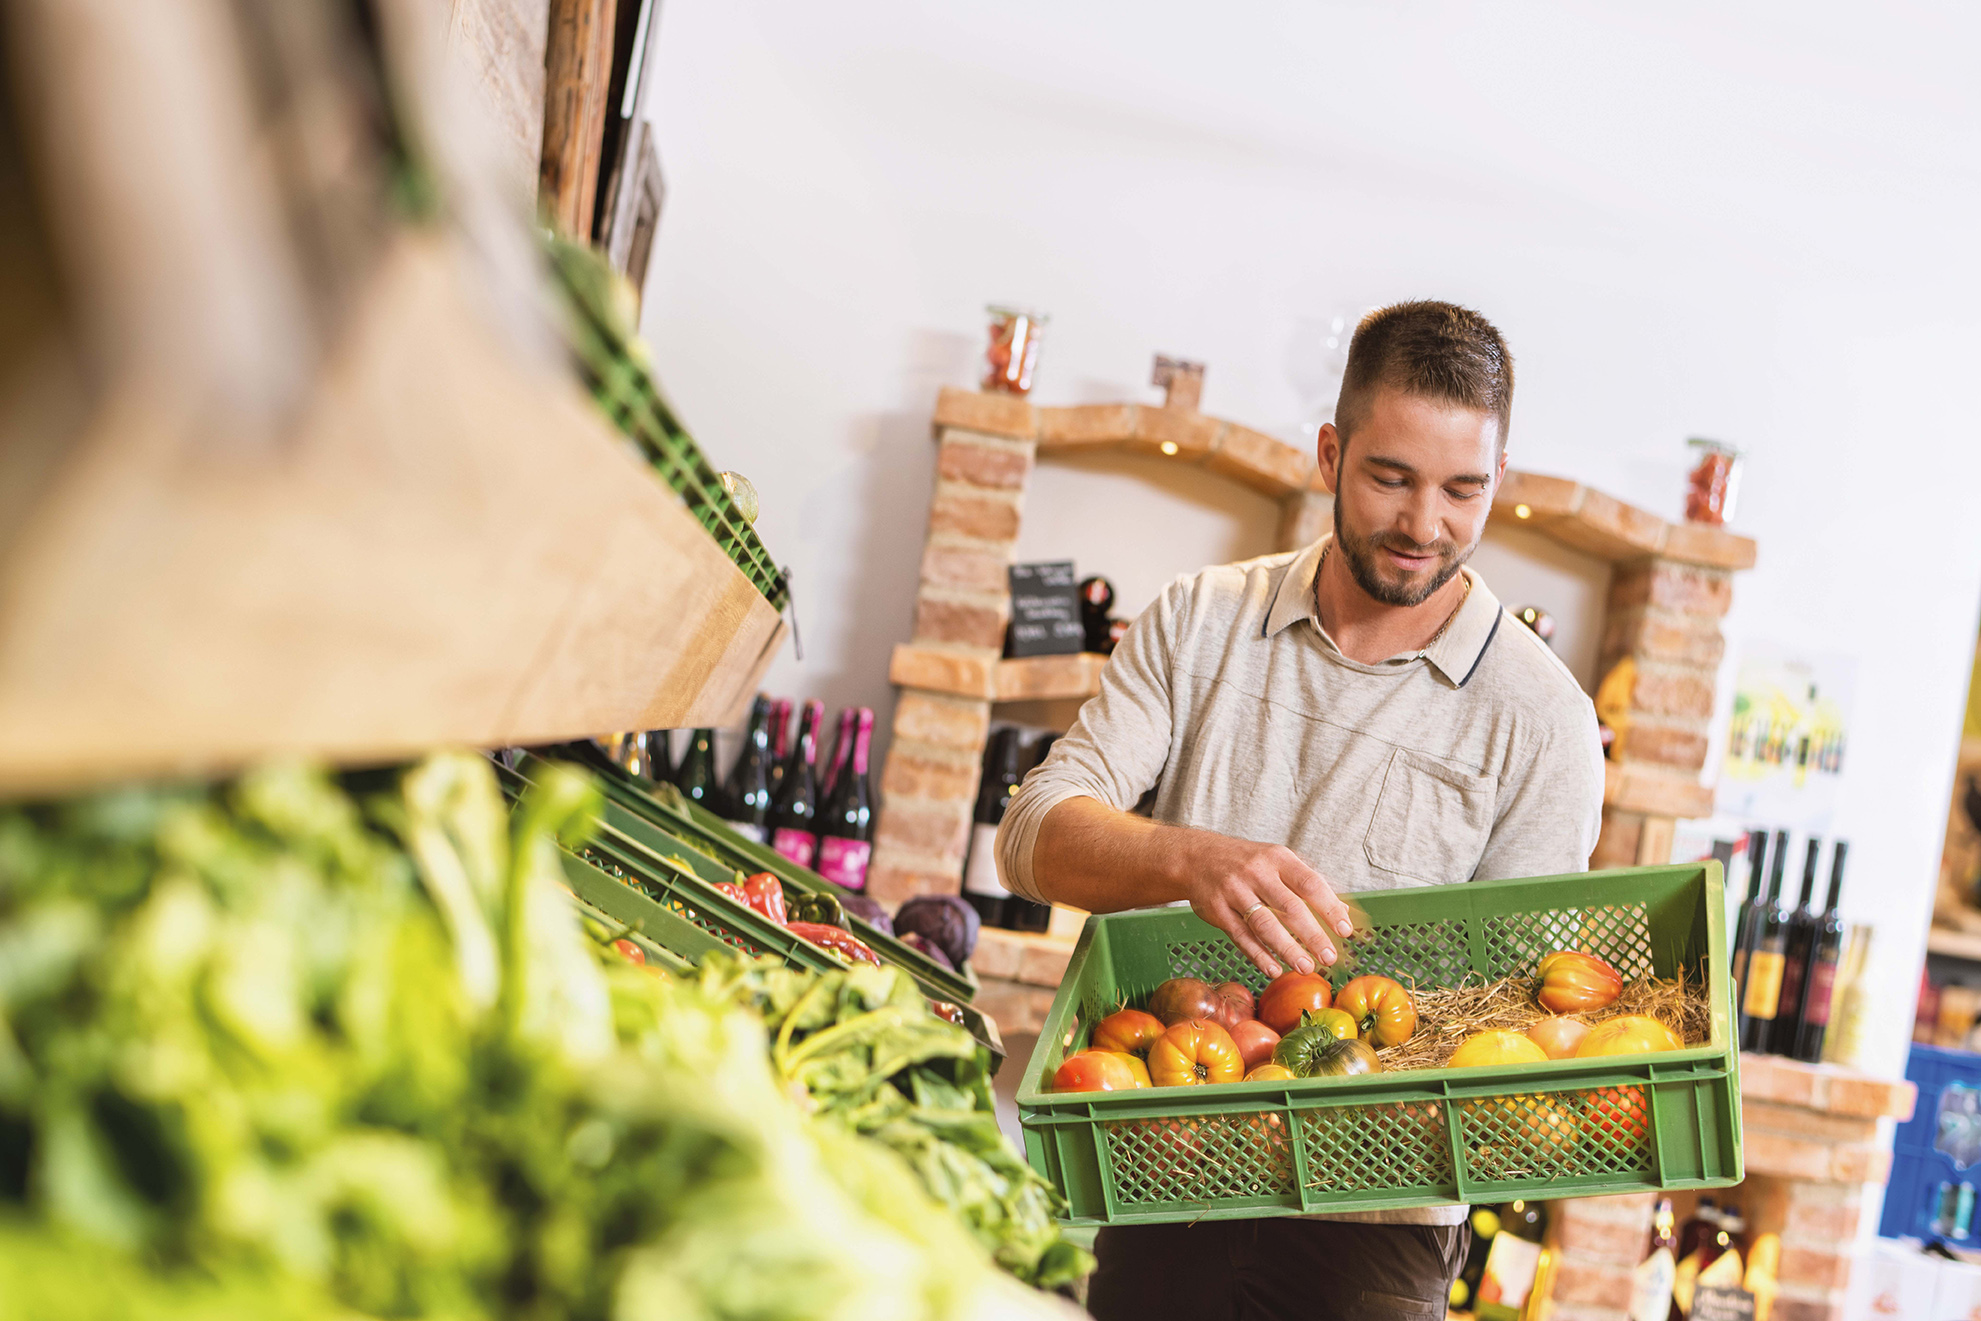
840	942
733	890
765	893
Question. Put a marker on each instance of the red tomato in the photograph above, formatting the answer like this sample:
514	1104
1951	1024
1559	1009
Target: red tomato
1194	1052
1182	999
1383	1011
632	952
1617	1119
1575	983
1093	1071
1127	1030
1135	1066
1290	995
1231	1004
1255	1042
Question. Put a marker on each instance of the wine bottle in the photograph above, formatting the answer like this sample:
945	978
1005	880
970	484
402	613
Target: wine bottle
658	753
1750	911
1021	914
1798	945
841	746
1761	997
1844	1042
794	810
780	729
1825	953
846	828
747	795
1650	1287
696	777
981	886
1697	1239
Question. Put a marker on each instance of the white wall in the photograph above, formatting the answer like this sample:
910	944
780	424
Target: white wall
1754	225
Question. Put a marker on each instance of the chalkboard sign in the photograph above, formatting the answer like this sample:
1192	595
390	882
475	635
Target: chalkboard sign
1712	1303
1045	610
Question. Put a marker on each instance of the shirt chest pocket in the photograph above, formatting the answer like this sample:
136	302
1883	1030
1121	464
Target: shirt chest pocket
1431	820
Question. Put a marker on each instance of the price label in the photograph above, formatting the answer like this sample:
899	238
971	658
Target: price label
1713	1303
1045	610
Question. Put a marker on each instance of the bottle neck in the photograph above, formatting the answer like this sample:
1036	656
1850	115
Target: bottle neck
1836	876
862	735
1757	864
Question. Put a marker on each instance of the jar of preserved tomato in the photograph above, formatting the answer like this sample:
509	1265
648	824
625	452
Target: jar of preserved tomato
1014	349
1715	479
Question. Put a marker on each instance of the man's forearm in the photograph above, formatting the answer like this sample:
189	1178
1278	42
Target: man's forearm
1092	856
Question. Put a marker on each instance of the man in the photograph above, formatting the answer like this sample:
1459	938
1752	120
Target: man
1358	715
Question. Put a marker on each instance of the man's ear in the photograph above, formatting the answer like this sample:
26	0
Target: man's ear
1327	452
1499	474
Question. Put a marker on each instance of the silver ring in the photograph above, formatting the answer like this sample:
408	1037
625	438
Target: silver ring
1246	916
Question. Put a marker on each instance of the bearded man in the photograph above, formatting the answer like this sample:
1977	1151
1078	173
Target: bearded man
1357	715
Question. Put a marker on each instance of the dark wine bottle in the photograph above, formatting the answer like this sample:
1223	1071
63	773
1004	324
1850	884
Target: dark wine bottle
780	730
746	798
794	810
1826	952
981	886
1750	911
1022	914
657	752
842	745
696	777
1798	947
846	827
1760	998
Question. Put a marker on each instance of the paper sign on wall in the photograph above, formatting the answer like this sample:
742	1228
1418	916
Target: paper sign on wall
1788	737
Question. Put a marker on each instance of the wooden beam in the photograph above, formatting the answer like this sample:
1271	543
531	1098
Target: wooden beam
577	77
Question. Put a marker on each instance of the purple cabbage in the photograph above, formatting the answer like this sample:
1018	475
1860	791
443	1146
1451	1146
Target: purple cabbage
868	910
915	940
946	920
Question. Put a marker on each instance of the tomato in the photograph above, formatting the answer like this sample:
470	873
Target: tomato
1576	983
1231	1004
1135	1067
765	894
1255	1042
1093	1071
1271	1073
1300	1049
1519	1136
1633	1034
1495	1047
1193	1052
1290	995
1617	1118
632	952
1184	1000
1558	1037
1128	1030
1344	1059
1383	1011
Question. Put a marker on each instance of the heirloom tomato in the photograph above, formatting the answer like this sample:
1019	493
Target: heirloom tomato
1135	1067
1231	1004
1184	1000
1271	1073
1290	995
1343	1059
1558	1036
1633	1034
1383	1011
1495	1047
1255	1042
1617	1118
1194	1052
1093	1071
1575	983
1127	1030
1299	1049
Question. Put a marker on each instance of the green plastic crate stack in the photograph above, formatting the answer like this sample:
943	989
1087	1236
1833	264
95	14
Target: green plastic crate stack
613	362
1564	1128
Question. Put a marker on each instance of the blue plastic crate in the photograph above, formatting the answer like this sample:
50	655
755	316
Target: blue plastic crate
1941	1143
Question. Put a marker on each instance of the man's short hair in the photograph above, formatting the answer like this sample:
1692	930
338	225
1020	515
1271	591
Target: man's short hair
1437	351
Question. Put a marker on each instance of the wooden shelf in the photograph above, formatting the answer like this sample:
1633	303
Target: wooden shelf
1954	944
1635	787
970	673
1601	525
452	545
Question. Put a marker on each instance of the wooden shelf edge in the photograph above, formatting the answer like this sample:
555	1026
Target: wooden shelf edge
1954	944
973	673
453	546
1633	787
1587	520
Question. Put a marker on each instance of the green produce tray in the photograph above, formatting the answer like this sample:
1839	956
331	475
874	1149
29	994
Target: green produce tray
668	819
614	368
1248	1150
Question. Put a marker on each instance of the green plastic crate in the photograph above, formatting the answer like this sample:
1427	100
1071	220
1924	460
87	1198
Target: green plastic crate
1246	1150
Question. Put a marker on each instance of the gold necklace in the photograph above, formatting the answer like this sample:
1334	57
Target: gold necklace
1442	628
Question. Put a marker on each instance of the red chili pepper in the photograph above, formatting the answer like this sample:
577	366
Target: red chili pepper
943	1009
843	943
765	893
630	950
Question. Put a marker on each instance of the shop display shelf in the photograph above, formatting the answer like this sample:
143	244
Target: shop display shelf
1580	1128
1940	1143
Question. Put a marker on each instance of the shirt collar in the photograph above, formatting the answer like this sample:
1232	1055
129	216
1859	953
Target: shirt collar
1455	655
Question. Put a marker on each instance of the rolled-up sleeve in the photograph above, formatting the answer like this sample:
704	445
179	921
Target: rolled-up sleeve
1115	751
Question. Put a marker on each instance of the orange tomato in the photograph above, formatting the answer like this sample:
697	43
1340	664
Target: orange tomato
1559	1037
1129	1030
1495	1047
1290	995
1093	1071
1383	1011
1193	1052
1255	1042
1577	983
1270	1073
1633	1034
1617	1118
1135	1066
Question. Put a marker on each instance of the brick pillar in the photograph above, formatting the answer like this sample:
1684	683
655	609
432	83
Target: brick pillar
929	784
1598	1242
1664	617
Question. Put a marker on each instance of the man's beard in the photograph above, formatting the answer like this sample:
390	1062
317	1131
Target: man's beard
1360	554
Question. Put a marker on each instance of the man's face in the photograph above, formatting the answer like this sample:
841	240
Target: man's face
1411	493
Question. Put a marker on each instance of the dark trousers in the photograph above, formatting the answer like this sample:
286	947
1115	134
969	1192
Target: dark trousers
1276	1270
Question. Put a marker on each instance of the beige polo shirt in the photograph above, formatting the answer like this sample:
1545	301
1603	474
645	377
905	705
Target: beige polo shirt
1229	708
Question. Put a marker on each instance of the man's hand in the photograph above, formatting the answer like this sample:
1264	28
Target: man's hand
1273	906
1276	908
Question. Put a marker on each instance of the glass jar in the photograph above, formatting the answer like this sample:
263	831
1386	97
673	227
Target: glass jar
1713	483
1014	349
